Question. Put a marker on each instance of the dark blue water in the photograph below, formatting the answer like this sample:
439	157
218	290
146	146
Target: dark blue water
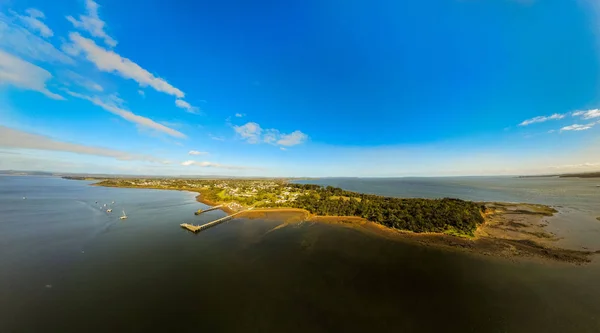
68	266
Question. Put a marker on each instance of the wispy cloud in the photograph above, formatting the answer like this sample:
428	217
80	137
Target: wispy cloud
589	114
9	152
577	127
195	152
174	124
572	166
252	133
216	138
142	93
541	119
24	75
71	77
92	23
16	139
109	61
214	165
111	104
21	41
32	20
186	106
240	115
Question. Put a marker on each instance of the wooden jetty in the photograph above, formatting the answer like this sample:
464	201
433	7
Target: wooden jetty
200	211
197	228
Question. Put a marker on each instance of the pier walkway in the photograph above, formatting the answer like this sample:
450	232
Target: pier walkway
200	211
197	228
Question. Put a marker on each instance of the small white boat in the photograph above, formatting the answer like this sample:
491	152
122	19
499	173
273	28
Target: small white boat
109	210
124	216
24	198
104	205
112	202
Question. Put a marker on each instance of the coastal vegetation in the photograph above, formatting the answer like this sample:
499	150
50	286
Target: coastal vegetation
77	178
581	175
419	215
510	229
567	175
452	216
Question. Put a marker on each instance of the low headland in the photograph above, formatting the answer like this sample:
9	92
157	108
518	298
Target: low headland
567	175
509	230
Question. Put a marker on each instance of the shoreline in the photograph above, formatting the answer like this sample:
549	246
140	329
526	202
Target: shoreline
510	230
502	244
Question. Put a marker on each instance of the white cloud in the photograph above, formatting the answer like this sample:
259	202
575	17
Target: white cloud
33	22
80	80
142	93
111	104
541	119
282	148
12	138
270	136
572	166
186	106
195	152
292	139
589	114
24	75
239	115
35	13
577	127
21	41
213	165
109	61
250	132
216	138
92	23
253	133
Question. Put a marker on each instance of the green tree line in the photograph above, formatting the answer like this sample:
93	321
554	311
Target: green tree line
418	215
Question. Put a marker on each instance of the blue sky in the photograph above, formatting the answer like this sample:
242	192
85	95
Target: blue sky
300	88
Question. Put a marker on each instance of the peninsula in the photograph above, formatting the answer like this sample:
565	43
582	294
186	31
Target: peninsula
498	229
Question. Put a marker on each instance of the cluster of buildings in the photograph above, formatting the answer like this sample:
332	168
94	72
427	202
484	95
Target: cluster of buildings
269	191
281	195
235	206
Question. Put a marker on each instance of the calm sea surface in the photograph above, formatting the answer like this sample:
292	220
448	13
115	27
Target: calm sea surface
68	266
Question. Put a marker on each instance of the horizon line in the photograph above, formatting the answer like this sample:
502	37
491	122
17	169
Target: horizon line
59	173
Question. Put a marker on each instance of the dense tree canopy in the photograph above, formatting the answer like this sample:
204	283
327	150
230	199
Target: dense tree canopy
418	215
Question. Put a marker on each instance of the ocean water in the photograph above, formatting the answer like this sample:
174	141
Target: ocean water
68	266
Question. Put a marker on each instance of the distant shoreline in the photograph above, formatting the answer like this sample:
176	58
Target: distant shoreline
586	175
